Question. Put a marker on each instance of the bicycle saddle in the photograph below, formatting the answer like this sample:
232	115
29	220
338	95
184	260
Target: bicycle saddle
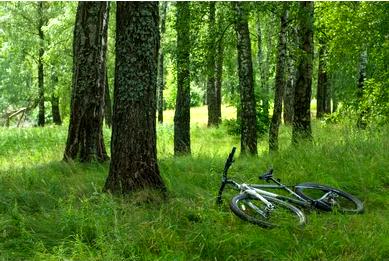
266	176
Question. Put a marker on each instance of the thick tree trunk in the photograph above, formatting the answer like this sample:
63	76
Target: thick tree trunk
246	82
302	96
107	104
280	83
211	84
41	52
85	135
55	110
133	143
182	112
362	122
161	67
322	84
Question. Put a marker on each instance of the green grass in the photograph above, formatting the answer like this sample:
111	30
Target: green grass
50	210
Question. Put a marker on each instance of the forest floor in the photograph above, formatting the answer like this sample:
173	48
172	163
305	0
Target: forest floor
51	210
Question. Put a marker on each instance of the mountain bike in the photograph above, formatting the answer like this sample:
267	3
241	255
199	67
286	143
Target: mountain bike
267	209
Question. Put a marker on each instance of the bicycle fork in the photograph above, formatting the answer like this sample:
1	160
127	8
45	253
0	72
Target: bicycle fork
269	206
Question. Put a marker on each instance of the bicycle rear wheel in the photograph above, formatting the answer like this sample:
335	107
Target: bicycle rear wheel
254	211
338	200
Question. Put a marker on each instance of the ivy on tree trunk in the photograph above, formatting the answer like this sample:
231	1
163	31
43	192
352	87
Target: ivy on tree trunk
133	143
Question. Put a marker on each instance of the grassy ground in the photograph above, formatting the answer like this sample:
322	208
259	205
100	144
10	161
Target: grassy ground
50	210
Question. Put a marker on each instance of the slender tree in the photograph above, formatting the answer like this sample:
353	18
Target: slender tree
323	98
41	23
246	82
182	112
361	122
55	101
107	104
211	52
133	143
85	136
161	66
280	82
302	98
219	64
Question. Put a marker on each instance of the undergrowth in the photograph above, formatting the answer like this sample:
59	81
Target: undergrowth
51	210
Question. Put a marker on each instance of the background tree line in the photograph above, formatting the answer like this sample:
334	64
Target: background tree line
264	58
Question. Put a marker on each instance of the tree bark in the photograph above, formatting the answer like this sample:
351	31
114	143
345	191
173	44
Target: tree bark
322	84
85	135
55	110
211	84
219	68
41	52
302	96
133	144
246	82
107	104
182	112
280	83
362	122
161	67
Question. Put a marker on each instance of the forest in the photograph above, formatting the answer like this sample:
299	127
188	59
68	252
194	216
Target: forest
116	119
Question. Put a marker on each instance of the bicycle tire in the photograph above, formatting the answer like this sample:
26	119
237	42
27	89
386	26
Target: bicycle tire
344	203
283	210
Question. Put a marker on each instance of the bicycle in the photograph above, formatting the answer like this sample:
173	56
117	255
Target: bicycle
267	209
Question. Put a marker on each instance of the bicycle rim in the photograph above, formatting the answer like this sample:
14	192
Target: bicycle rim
255	211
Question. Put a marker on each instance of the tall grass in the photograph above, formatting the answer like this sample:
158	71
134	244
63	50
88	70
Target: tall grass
50	210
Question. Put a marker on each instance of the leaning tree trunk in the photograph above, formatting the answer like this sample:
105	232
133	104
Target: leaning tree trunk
280	83
182	112
161	66
41	52
85	136
246	82
211	52
302	98
322	84
133	143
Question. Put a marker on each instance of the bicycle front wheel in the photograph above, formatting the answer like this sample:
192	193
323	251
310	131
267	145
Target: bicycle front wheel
336	199
256	212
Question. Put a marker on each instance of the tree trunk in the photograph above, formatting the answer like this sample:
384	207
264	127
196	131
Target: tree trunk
302	96
182	112
55	110
41	52
107	104
211	52
85	135
133	143
161	67
219	68
280	83
362	122
322	84
246	82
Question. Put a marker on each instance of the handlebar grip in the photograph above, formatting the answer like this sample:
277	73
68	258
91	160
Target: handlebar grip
229	161
231	156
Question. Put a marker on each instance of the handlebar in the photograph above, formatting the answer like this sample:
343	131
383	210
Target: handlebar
229	161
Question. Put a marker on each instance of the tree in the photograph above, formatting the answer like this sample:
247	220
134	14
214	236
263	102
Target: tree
133	143
323	98
42	21
246	82
302	96
213	119
85	135
219	56
280	81
161	66
182	112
